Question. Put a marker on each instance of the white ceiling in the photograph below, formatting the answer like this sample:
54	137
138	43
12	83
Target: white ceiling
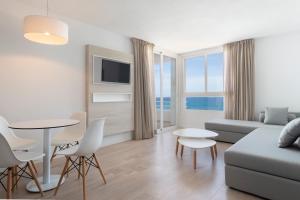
184	25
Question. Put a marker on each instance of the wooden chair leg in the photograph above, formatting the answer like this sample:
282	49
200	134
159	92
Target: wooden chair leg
212	153
16	176
62	175
195	158
177	146
53	154
182	148
99	167
33	166
9	183
80	163
14	180
34	178
83	178
216	151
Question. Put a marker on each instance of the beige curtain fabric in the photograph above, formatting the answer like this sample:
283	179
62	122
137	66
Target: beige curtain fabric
239	80
144	109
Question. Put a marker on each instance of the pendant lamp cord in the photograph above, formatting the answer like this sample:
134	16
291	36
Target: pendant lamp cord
47	8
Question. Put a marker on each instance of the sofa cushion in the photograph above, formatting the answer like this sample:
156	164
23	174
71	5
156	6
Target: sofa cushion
289	133
261	117
258	151
234	126
277	116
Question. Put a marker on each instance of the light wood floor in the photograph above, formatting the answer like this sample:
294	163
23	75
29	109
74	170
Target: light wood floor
147	170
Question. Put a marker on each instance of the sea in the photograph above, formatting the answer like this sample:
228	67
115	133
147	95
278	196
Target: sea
195	103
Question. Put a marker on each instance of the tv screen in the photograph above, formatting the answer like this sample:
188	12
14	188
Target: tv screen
113	71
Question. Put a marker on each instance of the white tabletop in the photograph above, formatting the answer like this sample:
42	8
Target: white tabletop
195	133
196	143
44	124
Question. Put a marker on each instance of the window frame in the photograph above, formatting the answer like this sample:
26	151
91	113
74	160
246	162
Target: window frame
206	93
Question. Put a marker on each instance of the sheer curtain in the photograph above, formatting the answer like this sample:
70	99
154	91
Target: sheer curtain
144	108
239	80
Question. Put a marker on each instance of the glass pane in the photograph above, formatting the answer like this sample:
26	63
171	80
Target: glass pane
169	90
215	71
205	103
157	80
157	66
195	74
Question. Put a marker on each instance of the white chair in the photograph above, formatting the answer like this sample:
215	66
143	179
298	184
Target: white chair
71	135
84	153
16	143
10	160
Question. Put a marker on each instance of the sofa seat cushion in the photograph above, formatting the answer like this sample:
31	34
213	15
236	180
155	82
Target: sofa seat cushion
259	151
235	126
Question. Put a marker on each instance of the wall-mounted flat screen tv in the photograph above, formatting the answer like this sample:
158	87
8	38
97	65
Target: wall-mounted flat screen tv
106	70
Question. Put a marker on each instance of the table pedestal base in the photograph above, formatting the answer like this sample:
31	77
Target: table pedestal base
31	186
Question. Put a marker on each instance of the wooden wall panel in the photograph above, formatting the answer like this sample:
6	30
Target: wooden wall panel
119	115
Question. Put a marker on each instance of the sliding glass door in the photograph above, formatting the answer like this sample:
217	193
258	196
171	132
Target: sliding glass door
165	91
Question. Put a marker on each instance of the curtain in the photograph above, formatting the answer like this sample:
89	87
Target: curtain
144	108
239	80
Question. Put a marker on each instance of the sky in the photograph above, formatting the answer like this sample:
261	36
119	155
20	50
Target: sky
195	74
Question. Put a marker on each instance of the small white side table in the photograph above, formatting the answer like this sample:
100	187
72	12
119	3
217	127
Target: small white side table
199	144
193	133
48	181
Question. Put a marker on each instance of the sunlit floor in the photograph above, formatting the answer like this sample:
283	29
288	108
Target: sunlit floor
145	170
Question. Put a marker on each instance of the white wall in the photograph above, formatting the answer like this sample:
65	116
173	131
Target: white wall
40	81
277	71
277	78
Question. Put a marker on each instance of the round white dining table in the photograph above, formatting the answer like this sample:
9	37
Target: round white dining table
47	181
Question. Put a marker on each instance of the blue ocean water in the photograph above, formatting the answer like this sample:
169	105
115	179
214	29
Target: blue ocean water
196	103
205	103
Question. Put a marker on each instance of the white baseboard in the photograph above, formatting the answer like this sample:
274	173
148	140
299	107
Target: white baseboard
117	138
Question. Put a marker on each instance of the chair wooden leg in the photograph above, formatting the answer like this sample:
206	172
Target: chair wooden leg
177	146
62	175
182	148
33	174
9	183
195	158
14	177
212	153
216	151
99	167
53	154
83	178
80	163
33	166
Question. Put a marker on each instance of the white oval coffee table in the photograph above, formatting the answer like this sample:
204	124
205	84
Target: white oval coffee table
193	133
198	144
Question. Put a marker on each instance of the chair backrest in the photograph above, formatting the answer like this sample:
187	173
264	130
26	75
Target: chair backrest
7	157
6	131
78	130
92	139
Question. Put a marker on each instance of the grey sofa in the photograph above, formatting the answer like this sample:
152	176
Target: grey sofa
233	130
255	164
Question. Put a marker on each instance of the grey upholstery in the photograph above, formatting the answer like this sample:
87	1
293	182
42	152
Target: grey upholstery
256	164
261	184
259	151
233	130
277	116
290	133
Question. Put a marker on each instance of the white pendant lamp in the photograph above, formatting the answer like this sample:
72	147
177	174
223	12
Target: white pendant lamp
45	30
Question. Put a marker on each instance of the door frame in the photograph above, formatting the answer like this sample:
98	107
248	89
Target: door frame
163	53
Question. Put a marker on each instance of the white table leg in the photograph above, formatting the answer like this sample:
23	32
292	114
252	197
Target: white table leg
48	181
46	159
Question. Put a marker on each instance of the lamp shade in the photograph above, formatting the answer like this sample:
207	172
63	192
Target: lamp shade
45	30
